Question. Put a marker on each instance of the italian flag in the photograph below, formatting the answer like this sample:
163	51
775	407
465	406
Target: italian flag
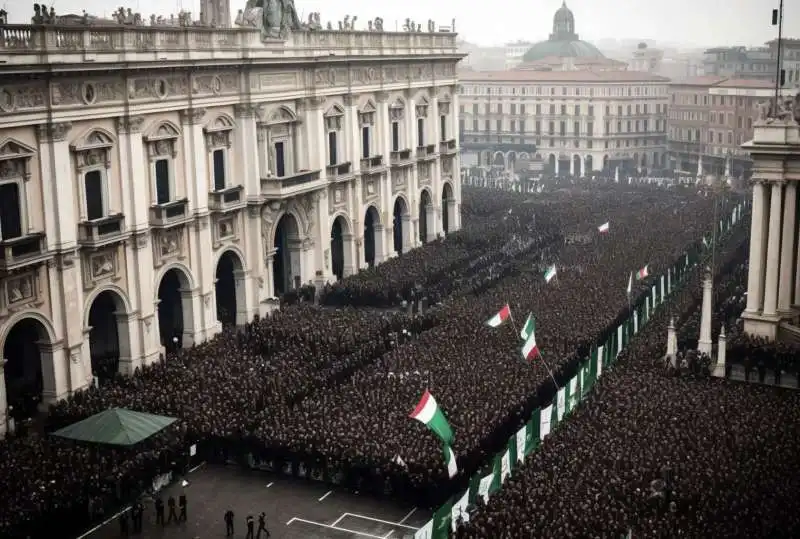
527	327
429	413
500	318
643	273
550	274
603	229
529	350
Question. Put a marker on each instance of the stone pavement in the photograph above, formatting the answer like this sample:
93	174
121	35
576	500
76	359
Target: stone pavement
295	509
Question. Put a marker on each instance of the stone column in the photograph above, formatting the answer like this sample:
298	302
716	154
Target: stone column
246	164
571	166
430	222
134	179
130	356
407	232
704	344
192	307
773	251
556	171
786	284
755	275
349	254
244	307
143	289
722	346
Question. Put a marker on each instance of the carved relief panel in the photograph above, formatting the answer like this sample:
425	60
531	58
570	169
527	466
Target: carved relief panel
225	229
370	189
20	291
337	199
398	180
168	245
424	173
99	267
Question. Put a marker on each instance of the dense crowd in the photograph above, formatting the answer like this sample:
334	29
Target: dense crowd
658	455
329	389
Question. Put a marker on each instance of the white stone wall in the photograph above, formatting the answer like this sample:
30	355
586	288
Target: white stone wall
184	116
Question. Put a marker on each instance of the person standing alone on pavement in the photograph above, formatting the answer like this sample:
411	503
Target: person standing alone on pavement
262	526
250	524
229	523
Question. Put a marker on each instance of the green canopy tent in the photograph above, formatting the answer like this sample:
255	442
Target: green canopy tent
116	426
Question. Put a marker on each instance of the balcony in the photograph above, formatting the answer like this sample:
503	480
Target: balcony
170	214
400	159
427	152
448	147
340	172
18	252
226	200
372	165
288	186
100	232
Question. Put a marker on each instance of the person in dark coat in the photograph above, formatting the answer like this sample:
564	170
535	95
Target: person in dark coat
262	526
229	523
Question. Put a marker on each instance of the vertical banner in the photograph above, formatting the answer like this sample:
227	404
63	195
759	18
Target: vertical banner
669	280
532	438
635	321
654	298
545	415
620	329
598	366
663	289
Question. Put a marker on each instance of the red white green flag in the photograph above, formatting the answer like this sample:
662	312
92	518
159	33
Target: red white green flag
528	327
500	318
529	350
428	413
643	273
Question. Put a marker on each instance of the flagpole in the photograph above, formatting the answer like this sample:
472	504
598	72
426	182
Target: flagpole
513	324
549	370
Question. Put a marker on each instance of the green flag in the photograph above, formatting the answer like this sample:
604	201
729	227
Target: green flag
442	520
528	327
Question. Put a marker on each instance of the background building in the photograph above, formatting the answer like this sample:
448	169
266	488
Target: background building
578	122
790	59
709	120
740	63
151	196
514	53
646	60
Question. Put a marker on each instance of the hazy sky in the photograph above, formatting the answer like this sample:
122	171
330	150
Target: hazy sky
697	22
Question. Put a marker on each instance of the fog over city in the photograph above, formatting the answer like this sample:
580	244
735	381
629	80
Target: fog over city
680	22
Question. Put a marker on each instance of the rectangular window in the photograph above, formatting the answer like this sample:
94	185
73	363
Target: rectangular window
577	128
396	134
443	127
93	190
333	157
420	132
365	149
10	211
163	191
219	170
280	159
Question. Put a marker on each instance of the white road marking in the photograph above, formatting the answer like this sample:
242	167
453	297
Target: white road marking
197	467
338	520
271	484
389	522
402	520
106	521
331	527
325	495
388	535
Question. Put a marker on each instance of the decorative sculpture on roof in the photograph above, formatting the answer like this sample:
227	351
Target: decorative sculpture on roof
42	16
313	21
275	18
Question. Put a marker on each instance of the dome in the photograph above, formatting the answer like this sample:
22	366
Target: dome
563	42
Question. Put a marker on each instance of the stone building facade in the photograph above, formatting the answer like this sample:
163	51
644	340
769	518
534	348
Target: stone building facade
157	182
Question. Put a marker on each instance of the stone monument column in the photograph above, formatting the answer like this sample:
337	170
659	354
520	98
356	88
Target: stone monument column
719	367
704	344
755	276
773	251
785	284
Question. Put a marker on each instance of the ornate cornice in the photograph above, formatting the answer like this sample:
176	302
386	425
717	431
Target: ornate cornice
192	116
245	110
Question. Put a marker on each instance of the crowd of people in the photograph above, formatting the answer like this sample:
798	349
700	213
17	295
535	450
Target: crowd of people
325	390
651	454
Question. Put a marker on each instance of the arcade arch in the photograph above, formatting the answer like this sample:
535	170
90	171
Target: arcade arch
373	236
425	217
29	368
448	208
577	166
286	266
175	311
551	164
109	333
230	289
588	165
401	222
341	248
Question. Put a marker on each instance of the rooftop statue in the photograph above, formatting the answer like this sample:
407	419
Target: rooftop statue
780	109
275	18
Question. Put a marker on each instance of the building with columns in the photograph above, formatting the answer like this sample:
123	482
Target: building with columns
159	182
773	283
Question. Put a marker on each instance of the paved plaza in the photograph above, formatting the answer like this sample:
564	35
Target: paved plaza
295	509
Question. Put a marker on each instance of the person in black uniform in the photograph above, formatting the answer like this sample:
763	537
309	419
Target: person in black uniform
172	514
137	514
123	524
262	526
229	523
159	511
182	504
250	524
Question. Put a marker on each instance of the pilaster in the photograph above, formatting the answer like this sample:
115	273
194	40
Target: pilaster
351	133
384	127
245	308
380	244
194	328
58	186
255	233
313	129
202	263
195	160
128	329
246	150
141	287
69	285
134	179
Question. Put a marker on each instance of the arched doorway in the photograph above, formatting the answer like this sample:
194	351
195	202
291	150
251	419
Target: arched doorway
425	212
174	310
605	163
644	161
511	158
588	165
104	334
634	163
400	222
24	375
341	248
286	264
448	203
499	160
551	164
372	236
563	165
577	170
230	290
